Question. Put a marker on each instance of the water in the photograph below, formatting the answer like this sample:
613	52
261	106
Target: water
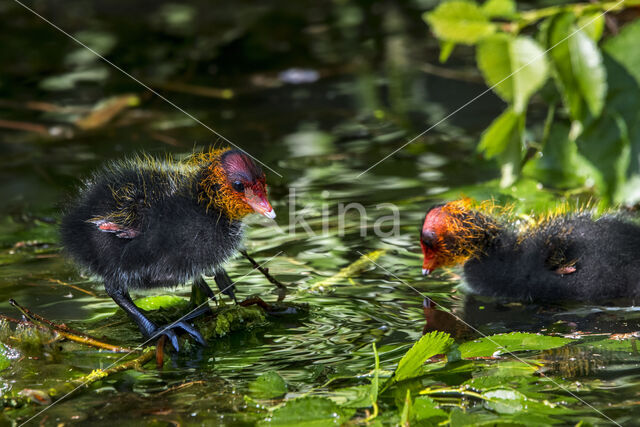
370	98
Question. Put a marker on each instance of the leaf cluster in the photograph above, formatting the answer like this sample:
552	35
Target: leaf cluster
495	379
588	83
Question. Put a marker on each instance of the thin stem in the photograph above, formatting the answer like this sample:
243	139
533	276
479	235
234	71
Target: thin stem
67	332
531	16
461	391
264	271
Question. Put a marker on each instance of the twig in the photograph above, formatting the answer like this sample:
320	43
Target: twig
453	74
11	319
77	288
160	351
264	271
30	127
181	386
67	332
347	272
208	92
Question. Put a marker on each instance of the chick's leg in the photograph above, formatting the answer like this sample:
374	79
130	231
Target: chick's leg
147	327
225	284
201	293
204	287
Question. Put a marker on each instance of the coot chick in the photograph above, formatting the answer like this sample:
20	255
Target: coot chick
566	256
145	223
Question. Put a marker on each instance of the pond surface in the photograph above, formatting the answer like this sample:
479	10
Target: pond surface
319	93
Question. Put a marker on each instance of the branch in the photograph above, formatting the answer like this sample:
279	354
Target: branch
67	332
264	271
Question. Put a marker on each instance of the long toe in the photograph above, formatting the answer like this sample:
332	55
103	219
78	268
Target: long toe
171	335
205	309
191	331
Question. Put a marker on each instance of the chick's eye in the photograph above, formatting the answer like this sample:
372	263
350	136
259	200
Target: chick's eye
429	239
238	186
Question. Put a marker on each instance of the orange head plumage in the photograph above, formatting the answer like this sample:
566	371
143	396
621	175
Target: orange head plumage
454	232
232	182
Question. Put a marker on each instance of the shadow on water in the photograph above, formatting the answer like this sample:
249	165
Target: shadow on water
366	96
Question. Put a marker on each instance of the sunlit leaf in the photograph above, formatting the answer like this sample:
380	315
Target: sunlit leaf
353	397
515	67
500	134
578	66
268	386
406	409
4	359
629	345
505	401
375	381
428	346
446	48
460	22
588	70
499	8
517	341
592	24
309	411
511	158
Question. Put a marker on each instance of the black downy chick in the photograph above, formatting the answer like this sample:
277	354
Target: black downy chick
145	223
570	257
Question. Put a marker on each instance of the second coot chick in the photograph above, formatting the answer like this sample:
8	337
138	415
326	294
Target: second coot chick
562	257
146	223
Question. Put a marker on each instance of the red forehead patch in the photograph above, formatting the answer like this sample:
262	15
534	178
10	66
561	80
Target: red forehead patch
434	220
238	164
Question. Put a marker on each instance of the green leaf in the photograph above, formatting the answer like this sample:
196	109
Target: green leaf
605	144
517	341
268	386
592	24
446	48
622	61
505	401
5	362
511	158
624	49
460	22
309	411
608	344
559	164
577	61
428	346
498	136
588	70
424	408
375	382
160	301
353	397
499	8
406	409
515	67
